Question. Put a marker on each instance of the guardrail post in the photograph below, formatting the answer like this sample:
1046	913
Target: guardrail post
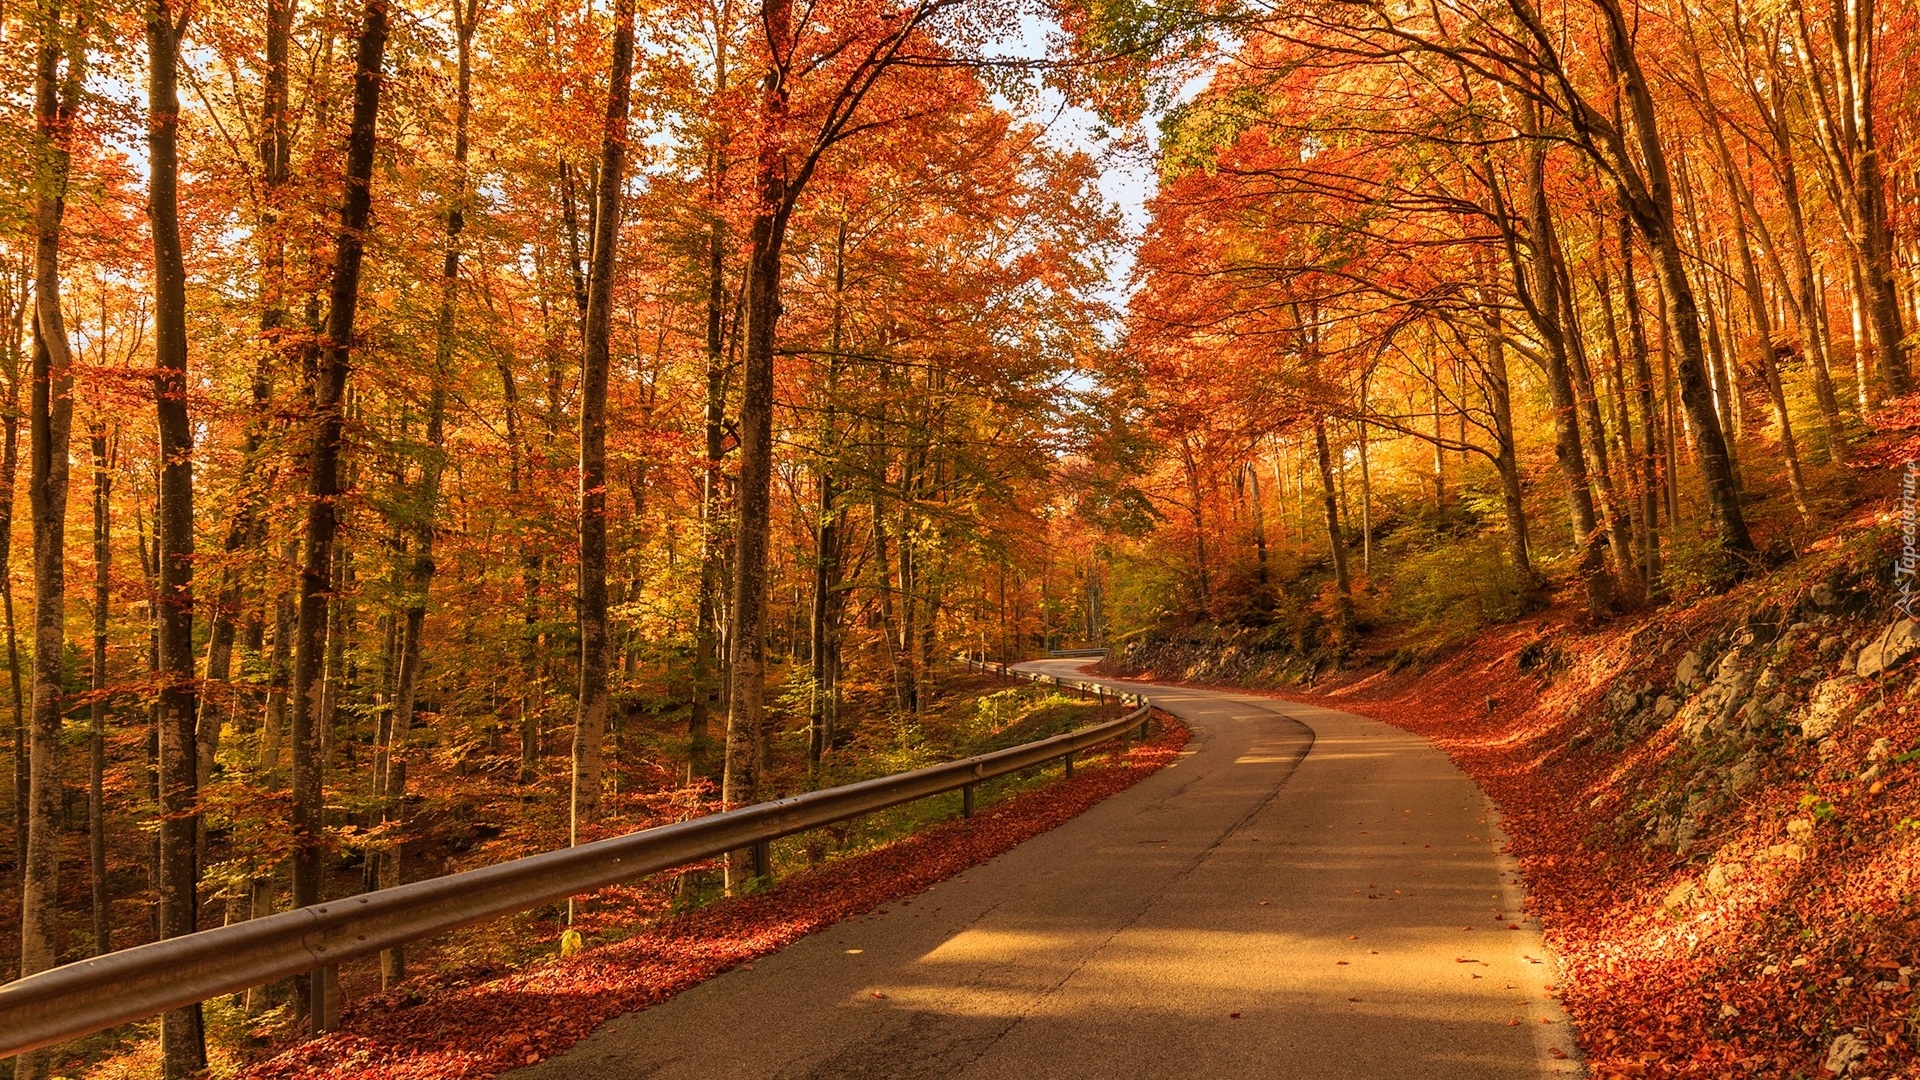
1069	763
763	859
1144	721
326	999
966	800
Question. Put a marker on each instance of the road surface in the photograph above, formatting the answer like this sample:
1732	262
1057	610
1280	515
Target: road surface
1305	893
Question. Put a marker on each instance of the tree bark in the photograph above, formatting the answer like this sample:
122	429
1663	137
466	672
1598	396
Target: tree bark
746	704
103	451
182	1046
329	380
590	724
1648	196
244	527
426	507
1542	299
1843	110
50	419
1336	542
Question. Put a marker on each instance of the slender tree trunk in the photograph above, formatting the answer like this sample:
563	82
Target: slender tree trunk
1506	463
12	363
1842	93
590	725
746	704
50	415
1336	543
1613	517
329	381
1252	470
50	418
275	156
426	507
1544	305
1653	215
182	1046
1649	465
103	452
824	640
273	728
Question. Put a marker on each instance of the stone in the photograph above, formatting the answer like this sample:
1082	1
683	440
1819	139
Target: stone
1831	647
1788	852
1830	704
1881	750
1681	897
1823	596
1888	649
1714	706
1664	707
1720	879
1842	1053
1744	772
1800	830
1622	702
1687	675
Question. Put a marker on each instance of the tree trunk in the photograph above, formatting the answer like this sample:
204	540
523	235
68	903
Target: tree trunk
329	380
1652	209
746	705
426	506
50	418
103	452
1506	463
274	152
1543	303
1843	100
1336	543
182	1046
590	724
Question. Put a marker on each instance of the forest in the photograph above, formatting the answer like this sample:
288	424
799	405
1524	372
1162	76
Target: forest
456	430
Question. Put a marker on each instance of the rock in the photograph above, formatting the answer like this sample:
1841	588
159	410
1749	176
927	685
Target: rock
1889	649
1681	897
1722	698
1664	707
1800	830
1880	751
1621	702
1744	772
1788	852
1687	675
1539	655
1842	1053
1829	705
1831	647
1823	596
1721	878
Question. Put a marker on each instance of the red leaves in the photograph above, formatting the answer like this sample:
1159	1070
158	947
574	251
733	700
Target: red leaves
488	1028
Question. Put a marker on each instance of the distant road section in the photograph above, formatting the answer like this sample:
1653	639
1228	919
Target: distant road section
1306	893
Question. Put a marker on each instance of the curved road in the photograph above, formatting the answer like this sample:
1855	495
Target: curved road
1305	893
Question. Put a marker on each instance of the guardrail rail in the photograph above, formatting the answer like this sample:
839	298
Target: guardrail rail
132	984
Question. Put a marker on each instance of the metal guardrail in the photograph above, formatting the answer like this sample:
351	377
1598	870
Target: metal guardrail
1075	654
133	984
1091	687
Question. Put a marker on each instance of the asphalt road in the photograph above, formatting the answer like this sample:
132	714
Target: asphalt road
1305	893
